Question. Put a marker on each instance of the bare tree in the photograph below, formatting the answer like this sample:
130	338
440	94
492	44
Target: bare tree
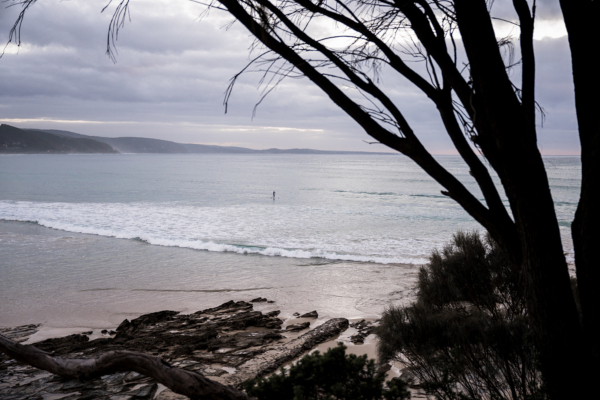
482	111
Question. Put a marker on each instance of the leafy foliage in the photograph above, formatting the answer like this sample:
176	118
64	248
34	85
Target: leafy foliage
468	335
333	375
473	272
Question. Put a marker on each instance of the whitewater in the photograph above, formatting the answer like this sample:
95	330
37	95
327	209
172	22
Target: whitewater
145	228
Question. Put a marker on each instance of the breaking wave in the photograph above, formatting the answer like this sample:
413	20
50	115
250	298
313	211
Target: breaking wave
239	230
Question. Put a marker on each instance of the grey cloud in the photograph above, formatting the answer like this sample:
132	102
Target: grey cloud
172	71
545	9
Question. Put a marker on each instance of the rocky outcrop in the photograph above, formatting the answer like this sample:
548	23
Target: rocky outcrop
229	343
364	328
297	327
312	314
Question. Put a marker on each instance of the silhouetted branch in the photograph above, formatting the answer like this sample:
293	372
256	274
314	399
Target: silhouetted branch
526	18
15	31
117	22
187	383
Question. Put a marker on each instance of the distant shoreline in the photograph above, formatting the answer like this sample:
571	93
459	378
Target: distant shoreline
324	153
14	140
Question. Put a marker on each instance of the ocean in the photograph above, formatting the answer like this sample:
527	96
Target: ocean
88	240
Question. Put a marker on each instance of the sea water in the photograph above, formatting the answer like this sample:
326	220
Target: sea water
87	240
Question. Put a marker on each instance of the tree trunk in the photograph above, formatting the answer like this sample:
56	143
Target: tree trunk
508	139
583	36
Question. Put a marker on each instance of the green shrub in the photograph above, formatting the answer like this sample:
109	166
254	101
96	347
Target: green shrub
467	336
333	375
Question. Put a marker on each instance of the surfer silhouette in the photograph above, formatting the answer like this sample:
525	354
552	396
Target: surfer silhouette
273	195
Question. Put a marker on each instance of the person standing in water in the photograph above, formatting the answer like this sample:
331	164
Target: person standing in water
273	195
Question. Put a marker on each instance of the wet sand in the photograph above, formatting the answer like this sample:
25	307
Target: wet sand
69	280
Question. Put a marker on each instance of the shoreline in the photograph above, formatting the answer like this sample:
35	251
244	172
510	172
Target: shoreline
43	332
93	282
368	347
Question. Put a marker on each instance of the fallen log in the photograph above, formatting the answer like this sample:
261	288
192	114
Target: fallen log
272	359
187	383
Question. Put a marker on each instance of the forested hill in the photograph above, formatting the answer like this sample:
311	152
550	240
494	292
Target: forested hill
147	145
19	141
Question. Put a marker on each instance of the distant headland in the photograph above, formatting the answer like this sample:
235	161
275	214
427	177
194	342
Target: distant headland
20	141
51	141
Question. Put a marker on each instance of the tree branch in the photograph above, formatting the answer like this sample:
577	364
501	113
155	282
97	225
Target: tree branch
187	383
15	31
394	61
336	95
436	46
526	20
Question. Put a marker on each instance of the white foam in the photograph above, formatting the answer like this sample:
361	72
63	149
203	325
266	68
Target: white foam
383	235
300	232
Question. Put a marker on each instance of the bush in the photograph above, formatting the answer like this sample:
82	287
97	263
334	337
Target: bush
333	375
467	336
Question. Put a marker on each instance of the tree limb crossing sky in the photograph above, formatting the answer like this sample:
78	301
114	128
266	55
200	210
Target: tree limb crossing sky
173	68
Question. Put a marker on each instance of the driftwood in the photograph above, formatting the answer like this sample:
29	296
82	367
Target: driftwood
274	358
185	382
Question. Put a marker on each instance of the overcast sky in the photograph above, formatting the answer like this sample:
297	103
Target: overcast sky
173	68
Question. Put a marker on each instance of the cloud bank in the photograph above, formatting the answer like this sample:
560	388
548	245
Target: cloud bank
173	69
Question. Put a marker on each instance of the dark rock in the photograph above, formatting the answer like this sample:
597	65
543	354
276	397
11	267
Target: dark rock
357	339
273	313
124	326
104	331
243	340
66	344
132	377
128	329
259	300
296	314
312	314
99	342
73	384
243	320
154	317
297	327
230	306
94	394
214	372
364	328
358	324
145	392
114	378
274	323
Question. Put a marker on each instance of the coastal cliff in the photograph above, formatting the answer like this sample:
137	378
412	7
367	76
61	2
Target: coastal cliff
18	141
